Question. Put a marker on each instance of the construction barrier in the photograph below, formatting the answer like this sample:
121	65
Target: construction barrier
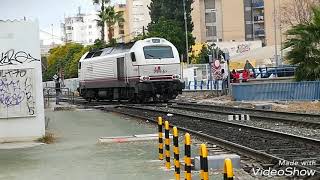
176	153
204	162
228	170
167	143
160	138
187	157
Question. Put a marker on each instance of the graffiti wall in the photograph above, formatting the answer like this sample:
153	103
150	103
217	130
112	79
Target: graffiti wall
17	93
21	96
237	48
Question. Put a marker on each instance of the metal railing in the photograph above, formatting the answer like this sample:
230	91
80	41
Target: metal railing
63	95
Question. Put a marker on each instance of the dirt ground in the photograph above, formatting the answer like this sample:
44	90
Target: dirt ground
287	106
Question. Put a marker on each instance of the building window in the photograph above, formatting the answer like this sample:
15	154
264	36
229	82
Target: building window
121	31
90	40
69	37
211	17
90	26
69	27
211	31
210	4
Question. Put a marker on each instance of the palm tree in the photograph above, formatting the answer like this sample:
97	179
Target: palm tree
101	24
304	43
111	18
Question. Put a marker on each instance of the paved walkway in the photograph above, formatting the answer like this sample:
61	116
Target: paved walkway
76	154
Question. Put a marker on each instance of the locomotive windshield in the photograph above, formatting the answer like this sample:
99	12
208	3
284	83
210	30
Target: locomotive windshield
157	52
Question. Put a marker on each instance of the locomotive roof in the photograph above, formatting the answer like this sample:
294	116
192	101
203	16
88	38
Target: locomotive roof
123	48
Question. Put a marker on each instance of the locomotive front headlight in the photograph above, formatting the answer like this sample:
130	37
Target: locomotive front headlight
176	76
144	78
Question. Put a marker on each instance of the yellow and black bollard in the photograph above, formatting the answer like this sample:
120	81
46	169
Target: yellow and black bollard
228	170
160	138
176	153
187	158
167	143
204	162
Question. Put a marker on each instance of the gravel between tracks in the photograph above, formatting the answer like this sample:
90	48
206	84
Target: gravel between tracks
281	127
284	148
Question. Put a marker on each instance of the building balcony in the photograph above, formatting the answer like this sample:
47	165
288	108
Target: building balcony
260	33
258	5
258	19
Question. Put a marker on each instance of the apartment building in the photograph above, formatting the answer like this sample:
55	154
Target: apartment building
81	28
121	31
138	16
237	20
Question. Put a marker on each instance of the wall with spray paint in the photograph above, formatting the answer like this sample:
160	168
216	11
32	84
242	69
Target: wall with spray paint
21	99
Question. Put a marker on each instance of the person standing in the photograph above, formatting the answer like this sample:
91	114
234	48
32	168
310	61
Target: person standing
56	79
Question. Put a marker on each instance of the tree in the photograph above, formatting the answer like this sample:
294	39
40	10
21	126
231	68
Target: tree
171	12
203	56
296	12
111	18
171	31
64	57
304	42
101	24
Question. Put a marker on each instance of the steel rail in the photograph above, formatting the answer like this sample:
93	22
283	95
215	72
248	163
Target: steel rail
281	134
233	147
206	109
282	113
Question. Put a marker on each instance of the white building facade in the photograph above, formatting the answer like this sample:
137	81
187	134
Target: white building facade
81	29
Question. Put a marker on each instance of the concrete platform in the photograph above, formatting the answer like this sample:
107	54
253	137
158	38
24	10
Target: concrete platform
216	162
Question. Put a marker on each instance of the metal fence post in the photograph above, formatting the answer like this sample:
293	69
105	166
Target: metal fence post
228	170
167	144
176	153
187	157
160	138
204	162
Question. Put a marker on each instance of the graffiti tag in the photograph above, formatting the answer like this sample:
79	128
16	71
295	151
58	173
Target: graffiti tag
14	58
16	90
243	48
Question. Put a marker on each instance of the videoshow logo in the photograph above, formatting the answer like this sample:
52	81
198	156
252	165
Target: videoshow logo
289	170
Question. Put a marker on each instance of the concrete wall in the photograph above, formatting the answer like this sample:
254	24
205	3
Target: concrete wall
21	97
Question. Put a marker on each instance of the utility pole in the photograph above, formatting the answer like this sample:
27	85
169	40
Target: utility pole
186	29
275	32
280	27
52	34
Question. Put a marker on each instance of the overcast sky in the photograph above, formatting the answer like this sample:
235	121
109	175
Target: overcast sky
46	11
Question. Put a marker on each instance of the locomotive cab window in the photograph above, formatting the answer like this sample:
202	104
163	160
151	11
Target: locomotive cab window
157	52
89	55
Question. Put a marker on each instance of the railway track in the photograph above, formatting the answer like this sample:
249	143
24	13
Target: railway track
313	119
293	126
263	144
